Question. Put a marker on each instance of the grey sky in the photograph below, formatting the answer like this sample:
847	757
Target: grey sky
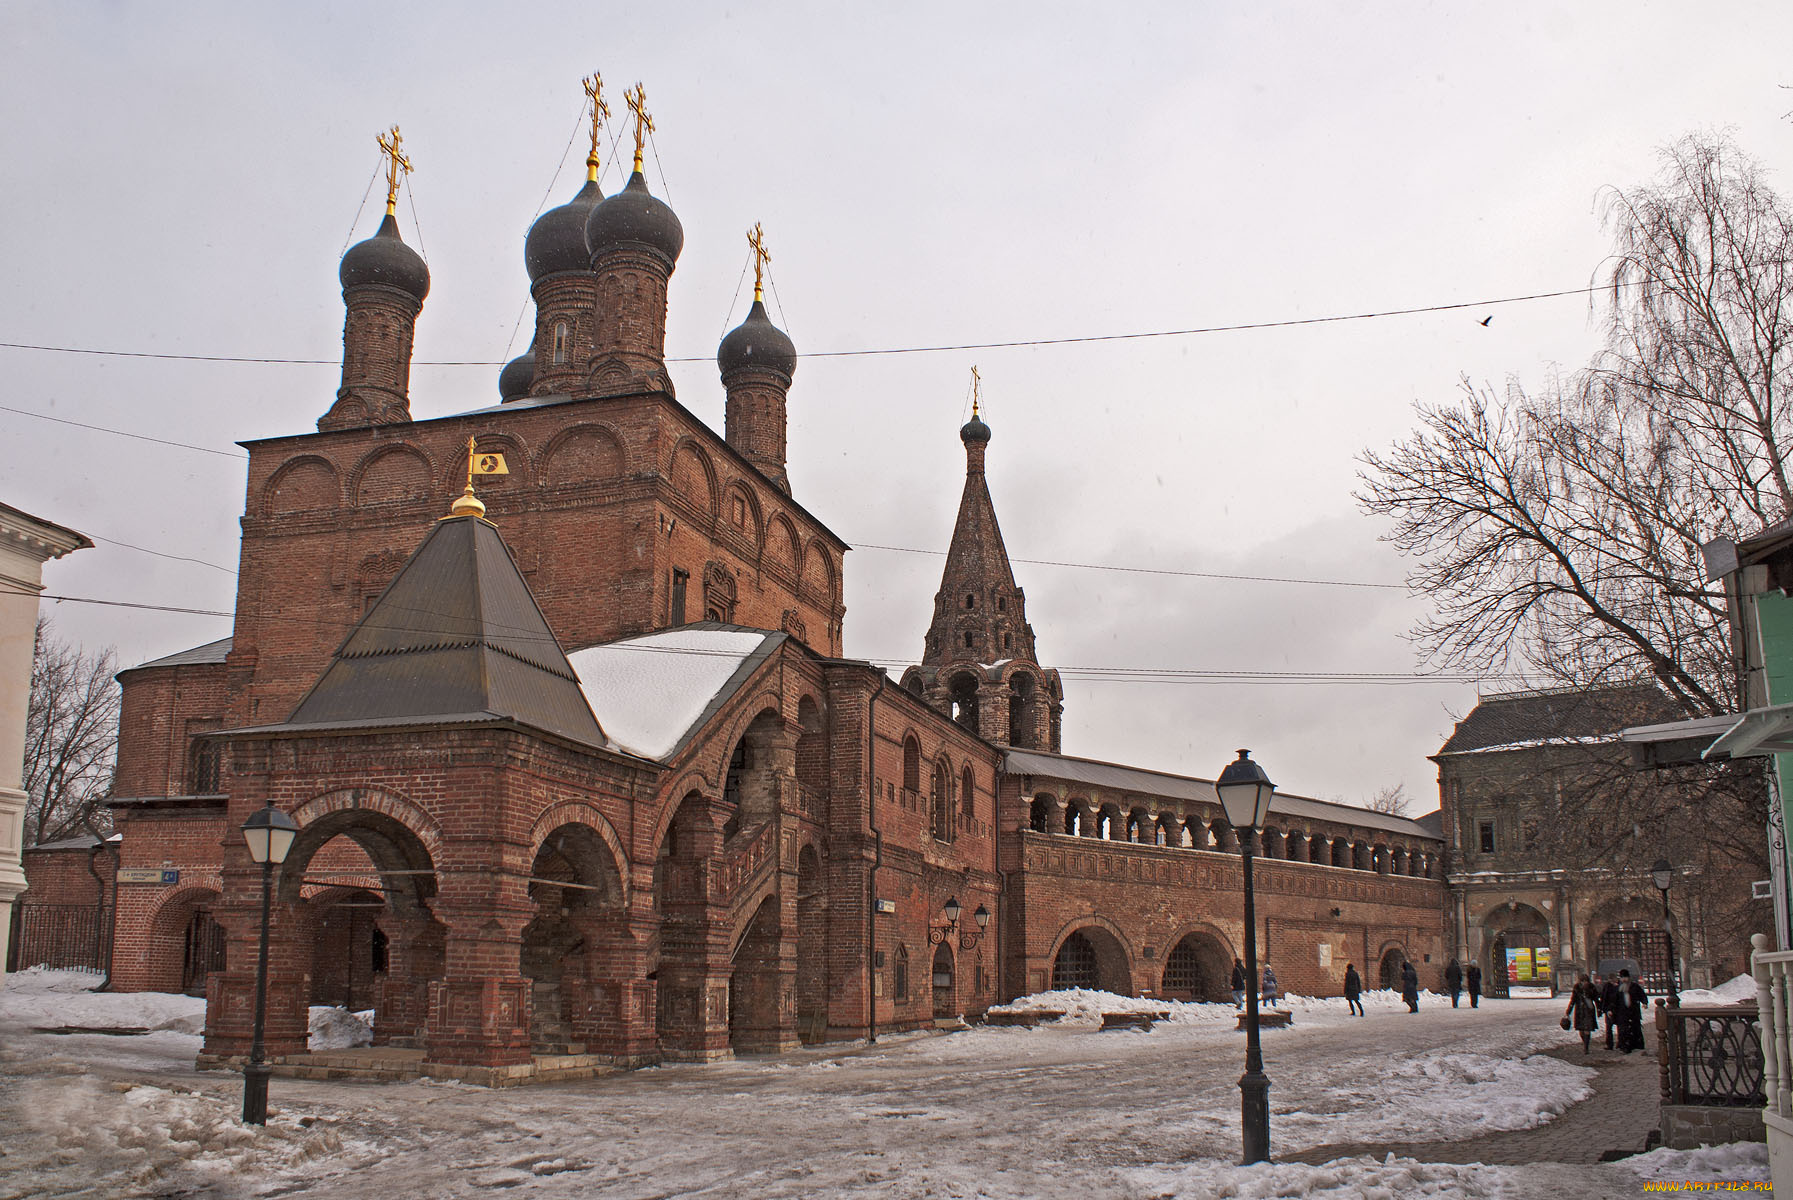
926	174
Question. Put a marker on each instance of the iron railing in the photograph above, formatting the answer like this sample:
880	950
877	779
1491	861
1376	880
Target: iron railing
1711	1055
70	936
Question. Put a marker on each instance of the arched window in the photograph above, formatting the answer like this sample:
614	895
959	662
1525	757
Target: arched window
940	803
911	765
560	342
968	795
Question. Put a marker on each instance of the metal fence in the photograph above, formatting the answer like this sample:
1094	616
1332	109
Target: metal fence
1711	1056
67	936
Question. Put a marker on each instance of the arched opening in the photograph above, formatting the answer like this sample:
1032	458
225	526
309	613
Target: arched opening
186	920
577	889
753	985
911	766
940	803
1390	971
963	691
967	796
1519	951
1039	814
749	789
946	1004
1341	852
1092	958
1198	967
1023	734
1077	820
812	949
348	949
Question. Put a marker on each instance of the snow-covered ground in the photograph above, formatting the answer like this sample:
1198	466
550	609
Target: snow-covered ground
1059	1111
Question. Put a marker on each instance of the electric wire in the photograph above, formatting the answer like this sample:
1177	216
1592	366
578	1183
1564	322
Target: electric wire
359	209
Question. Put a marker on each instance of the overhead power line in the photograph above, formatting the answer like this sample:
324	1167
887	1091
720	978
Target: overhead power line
1192	331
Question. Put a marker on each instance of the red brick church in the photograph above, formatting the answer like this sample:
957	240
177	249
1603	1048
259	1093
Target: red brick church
579	765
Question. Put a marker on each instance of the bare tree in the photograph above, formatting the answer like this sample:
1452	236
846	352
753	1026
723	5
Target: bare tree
71	739
1392	801
1558	533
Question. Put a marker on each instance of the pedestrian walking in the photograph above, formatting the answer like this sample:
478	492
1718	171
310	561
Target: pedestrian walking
1410	986
1238	985
1632	1002
1453	980
1583	1013
1473	979
1267	985
1609	1006
1353	990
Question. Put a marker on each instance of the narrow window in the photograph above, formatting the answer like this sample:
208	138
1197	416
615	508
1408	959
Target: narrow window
205	768
679	580
1486	829
560	342
738	511
1001	604
971	602
901	971
1006	641
968	641
968	795
911	765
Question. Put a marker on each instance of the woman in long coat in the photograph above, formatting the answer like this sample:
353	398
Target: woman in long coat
1353	990
1583	1012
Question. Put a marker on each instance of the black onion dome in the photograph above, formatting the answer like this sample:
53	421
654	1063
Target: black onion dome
385	259
756	342
518	374
635	215
556	241
974	430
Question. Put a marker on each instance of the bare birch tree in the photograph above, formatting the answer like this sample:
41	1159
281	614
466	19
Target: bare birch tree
71	739
1390	801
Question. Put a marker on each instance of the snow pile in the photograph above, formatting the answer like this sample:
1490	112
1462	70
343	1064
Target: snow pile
1741	990
1085	1006
1736	1162
48	999
142	1135
1341	1179
1435	1096
340	1029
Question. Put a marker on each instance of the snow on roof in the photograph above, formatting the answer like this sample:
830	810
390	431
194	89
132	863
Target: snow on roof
650	692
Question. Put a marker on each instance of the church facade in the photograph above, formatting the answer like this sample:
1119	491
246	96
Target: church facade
581	770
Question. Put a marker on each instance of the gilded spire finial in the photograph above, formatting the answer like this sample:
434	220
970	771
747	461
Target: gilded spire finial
644	124
396	161
974	389
756	241
600	112
467	504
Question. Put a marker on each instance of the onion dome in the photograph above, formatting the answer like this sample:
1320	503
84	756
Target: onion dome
517	376
756	342
974	430
556	241
385	259
636	216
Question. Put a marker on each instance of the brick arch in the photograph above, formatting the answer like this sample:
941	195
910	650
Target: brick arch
581	812
1227	952
389	804
693	475
391	831
400	472
303	484
782	547
1121	966
691	781
750	910
167	925
818	570
582	454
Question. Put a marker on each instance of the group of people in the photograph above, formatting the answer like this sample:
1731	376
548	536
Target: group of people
1453	978
1620	999
1267	992
1457	980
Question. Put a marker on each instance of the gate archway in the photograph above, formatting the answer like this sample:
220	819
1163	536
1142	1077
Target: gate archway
1198	967
1092	957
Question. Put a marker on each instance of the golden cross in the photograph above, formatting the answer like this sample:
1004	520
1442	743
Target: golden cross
644	124
974	383
756	240
600	112
396	161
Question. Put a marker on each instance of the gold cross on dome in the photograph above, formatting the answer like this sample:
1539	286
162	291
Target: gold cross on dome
600	112
974	388
389	143
756	240
644	124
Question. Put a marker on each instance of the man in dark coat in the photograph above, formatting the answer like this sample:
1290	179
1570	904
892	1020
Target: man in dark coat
1410	986
1474	979
1353	990
1632	1002
1609	1004
1453	980
1238	985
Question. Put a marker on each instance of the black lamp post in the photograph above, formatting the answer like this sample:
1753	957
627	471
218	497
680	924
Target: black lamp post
1662	873
270	835
1245	793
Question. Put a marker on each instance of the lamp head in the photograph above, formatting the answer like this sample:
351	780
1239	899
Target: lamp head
982	917
1244	792
270	835
953	910
1663	872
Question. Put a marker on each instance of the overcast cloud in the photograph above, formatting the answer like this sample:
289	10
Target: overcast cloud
182	180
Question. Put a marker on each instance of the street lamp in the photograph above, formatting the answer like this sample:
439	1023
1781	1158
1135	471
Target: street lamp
1662	873
270	835
1245	793
952	908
